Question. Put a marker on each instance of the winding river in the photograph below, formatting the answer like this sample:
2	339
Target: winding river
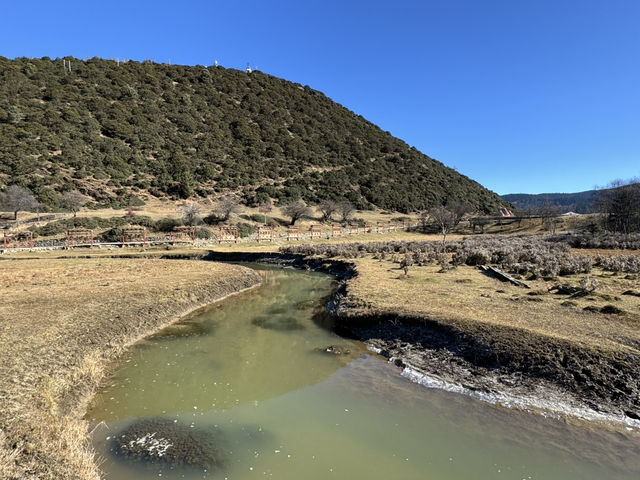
255	372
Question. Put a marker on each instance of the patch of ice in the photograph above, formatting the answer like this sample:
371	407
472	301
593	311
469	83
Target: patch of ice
544	402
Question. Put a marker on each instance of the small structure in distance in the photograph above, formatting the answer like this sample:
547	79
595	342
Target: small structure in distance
183	233
315	231
79	237
134	236
265	233
293	233
14	240
228	234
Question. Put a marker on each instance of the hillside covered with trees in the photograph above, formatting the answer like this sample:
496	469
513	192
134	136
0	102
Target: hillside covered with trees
117	131
579	202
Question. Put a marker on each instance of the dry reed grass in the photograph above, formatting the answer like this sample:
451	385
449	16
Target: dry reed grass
467	298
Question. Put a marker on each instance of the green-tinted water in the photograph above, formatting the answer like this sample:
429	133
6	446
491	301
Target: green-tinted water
283	410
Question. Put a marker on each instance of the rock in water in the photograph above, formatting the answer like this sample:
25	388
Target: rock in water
159	440
334	350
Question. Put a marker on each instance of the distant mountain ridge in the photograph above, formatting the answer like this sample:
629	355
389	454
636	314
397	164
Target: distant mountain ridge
118	130
579	202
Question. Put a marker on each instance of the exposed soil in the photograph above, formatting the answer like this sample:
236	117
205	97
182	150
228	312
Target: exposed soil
495	359
338	268
499	360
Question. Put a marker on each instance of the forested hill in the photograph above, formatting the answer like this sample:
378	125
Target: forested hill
580	202
113	130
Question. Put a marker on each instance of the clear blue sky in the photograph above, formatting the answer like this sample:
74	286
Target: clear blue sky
521	95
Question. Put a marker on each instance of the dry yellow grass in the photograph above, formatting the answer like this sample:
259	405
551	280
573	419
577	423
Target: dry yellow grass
399	235
242	246
156	208
61	320
466	297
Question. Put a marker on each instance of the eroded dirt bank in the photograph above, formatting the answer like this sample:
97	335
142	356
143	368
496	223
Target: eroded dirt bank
500	363
61	321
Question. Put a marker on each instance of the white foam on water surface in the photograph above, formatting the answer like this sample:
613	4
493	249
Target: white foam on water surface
155	446
544	401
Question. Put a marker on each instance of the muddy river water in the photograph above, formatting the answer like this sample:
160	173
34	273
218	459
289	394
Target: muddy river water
254	372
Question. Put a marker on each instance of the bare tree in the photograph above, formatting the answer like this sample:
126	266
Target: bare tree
620	204
444	219
38	206
265	207
74	200
406	262
191	213
327	209
480	222
296	210
225	206
346	209
17	199
548	214
458	210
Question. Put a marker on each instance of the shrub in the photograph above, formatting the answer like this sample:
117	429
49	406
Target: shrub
620	263
203	233
245	229
111	235
256	217
212	219
422	252
166	224
589	284
629	241
60	227
525	255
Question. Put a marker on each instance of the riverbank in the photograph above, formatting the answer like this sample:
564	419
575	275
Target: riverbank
465	331
61	322
256	375
553	352
462	330
456	330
